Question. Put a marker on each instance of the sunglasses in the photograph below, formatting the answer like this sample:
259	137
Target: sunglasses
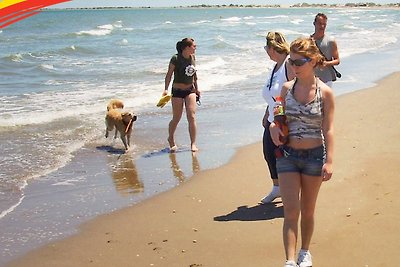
299	62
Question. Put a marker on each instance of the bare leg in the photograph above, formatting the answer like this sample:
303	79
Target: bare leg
123	138
177	109
128	138
190	104
310	186
290	187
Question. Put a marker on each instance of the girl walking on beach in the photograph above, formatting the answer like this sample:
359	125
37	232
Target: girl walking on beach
278	50
184	90
308	155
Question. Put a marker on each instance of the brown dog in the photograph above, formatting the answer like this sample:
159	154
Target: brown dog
115	103
120	119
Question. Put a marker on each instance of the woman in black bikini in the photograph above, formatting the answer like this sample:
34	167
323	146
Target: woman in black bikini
184	90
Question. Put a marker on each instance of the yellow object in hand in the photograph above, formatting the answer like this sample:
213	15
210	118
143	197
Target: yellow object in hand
163	101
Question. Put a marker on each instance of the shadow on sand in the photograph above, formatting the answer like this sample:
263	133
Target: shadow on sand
111	150
256	213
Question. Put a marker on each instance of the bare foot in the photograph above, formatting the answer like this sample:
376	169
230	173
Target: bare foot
172	146
171	142
194	148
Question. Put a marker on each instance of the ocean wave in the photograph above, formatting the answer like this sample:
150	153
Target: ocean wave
75	49
101	30
379	20
39	57
12	208
232	19
81	103
18	57
201	22
297	21
122	42
47	67
351	27
212	64
276	17
363	43
219	42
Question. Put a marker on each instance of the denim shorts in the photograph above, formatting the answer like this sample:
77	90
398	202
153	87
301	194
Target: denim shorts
305	161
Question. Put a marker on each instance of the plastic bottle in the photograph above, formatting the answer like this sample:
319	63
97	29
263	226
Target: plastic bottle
281	122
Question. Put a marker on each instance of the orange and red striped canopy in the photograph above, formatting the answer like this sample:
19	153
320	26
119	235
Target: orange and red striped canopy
12	11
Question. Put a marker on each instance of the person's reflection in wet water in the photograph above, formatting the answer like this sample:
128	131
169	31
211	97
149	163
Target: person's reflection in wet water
177	171
125	175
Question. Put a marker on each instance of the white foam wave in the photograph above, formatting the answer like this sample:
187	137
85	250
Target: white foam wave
363	43
47	67
101	30
69	182
86	100
276	17
12	208
351	27
232	19
118	24
123	42
17	57
297	21
218	62
379	20
201	22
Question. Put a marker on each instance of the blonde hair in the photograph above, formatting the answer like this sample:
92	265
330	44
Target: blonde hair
277	41
306	47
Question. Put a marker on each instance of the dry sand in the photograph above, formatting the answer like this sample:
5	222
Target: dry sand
215	220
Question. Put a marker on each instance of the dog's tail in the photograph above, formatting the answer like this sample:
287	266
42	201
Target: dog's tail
115	103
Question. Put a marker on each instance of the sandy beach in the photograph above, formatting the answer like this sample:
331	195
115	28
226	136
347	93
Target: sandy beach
214	219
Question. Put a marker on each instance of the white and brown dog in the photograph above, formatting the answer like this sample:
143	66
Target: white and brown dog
121	119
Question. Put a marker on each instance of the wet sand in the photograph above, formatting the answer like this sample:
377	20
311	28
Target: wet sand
214	219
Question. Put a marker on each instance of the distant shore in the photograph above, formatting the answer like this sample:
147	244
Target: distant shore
298	5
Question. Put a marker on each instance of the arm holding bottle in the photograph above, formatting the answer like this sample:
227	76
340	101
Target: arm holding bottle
274	129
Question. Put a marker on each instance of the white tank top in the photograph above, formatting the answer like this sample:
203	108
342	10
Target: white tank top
273	86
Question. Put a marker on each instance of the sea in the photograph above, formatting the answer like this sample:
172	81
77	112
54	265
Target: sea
60	68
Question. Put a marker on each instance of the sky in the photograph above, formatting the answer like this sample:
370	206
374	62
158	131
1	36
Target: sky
169	3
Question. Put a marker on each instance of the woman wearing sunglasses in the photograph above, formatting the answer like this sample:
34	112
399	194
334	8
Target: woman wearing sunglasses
308	155
278	50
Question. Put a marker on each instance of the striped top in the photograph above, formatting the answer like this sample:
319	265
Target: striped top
304	121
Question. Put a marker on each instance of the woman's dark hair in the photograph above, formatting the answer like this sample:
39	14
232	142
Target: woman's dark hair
181	45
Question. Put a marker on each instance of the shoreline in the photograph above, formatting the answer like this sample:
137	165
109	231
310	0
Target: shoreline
219	209
298	5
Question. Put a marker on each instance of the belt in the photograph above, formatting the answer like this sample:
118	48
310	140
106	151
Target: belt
304	153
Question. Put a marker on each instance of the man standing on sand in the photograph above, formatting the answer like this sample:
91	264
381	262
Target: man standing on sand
328	47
